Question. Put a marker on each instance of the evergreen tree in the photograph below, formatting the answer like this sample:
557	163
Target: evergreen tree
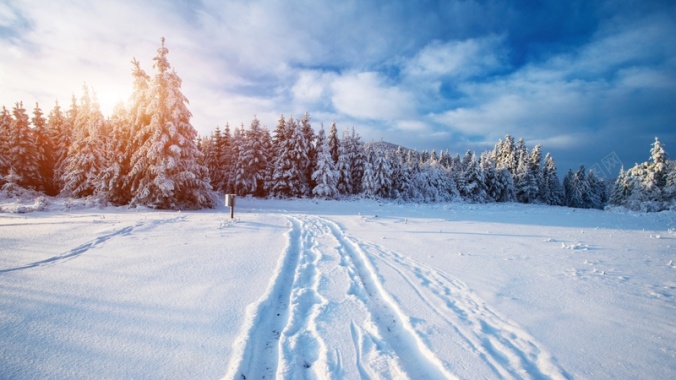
325	175
225	158
21	150
526	180
288	175
357	154
165	172
506	155
308	153
251	166
5	130
551	191
382	173
473	186
343	169
334	143
85	160
112	181
597	191
44	150
369	180
59	132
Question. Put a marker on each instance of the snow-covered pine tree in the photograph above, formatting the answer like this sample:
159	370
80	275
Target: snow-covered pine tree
112	182
506	155
86	154
597	191
659	160
44	148
236	146
288	175
621	190
551	191
345	157
59	126
252	165
473	188
670	186
369	181
325	175
445	159
225	158
334	142
536	171
5	129
413	188
21	150
493	187
165	170
382	173
398	177
210	151
526	182
308	152
357	154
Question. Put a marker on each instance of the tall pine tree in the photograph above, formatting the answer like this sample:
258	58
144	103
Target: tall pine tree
165	170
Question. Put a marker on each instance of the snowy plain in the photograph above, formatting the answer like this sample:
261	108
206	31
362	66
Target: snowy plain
327	289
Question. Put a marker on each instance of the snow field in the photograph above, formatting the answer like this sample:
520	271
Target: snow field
311	289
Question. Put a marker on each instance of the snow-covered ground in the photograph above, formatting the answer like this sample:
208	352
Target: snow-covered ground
355	289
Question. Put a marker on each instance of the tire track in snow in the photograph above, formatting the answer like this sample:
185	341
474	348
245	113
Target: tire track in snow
508	350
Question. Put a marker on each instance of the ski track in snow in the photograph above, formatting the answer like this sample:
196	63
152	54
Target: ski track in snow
311	308
84	247
508	351
315	323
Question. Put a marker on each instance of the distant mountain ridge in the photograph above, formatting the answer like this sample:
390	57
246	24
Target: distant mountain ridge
387	146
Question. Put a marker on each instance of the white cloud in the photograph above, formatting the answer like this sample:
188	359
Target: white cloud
457	59
367	95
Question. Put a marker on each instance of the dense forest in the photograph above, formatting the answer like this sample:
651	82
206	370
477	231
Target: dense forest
147	153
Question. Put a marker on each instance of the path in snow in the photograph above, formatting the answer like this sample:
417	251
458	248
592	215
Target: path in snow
328	314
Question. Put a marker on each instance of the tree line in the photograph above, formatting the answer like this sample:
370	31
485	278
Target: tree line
147	153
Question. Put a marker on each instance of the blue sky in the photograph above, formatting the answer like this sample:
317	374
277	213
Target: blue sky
590	80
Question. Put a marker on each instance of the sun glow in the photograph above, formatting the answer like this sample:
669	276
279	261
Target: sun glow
110	96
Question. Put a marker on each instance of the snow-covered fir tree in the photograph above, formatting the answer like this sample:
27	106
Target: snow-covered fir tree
252	163
646	186
526	182
44	148
334	142
473	184
288	176
86	154
165	170
307	151
22	155
5	125
59	127
355	148
368	182
506	155
112	179
345	157
551	191
325	175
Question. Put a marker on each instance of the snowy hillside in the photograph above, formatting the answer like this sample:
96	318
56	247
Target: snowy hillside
322	289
